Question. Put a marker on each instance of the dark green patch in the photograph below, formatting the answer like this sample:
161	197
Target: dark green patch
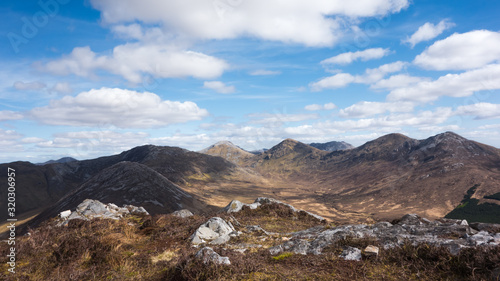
495	196
470	209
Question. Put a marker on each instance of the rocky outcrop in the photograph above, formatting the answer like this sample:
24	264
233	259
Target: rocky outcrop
184	213
452	234
236	206
215	231
90	209
208	255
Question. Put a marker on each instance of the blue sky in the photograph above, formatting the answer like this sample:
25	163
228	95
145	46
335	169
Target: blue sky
96	77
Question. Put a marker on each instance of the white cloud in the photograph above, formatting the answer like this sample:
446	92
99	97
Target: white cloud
333	82
30	140
463	51
312	23
367	108
132	61
371	75
279	118
349	57
118	107
397	81
262	72
315	107
219	87
427	32
452	85
29	86
480	110
62	88
10	115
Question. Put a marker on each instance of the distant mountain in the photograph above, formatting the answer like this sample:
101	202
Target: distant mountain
46	184
228	151
62	160
129	183
382	179
332	146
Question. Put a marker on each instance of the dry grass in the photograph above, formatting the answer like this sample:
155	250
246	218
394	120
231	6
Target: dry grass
158	248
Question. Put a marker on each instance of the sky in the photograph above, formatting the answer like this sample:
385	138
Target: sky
88	78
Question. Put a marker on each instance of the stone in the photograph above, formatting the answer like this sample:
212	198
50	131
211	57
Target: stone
213	229
410	219
90	209
184	213
65	214
208	255
351	254
371	250
233	207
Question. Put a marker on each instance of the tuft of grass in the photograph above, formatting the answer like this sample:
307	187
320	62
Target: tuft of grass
282	256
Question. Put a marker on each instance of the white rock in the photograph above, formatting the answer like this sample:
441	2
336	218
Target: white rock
211	230
65	214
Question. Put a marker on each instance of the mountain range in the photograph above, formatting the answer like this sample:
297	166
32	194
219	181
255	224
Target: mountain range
382	179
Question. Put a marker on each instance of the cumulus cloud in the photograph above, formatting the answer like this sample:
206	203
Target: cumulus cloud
29	86
262	72
315	107
219	87
427	32
452	85
463	51
312	23
118	107
333	82
10	115
368	108
62	88
480	110
397	81
371	75
133	61
349	57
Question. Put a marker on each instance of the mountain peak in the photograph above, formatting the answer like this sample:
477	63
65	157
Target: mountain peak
289	146
228	151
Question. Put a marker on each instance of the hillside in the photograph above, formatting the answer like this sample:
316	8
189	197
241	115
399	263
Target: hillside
332	146
228	151
382	179
44	185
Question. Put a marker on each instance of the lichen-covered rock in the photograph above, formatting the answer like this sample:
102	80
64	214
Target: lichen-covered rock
208	255
236	206
452	234
215	230
351	254
90	209
184	213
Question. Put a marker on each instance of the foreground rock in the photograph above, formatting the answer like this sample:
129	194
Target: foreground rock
184	213
90	209
236	206
215	231
208	255
452	234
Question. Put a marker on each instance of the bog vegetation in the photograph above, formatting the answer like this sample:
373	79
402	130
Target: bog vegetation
158	248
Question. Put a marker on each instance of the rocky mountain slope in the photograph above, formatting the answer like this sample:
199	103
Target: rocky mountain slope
228	151
382	179
129	183
332	146
44	185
